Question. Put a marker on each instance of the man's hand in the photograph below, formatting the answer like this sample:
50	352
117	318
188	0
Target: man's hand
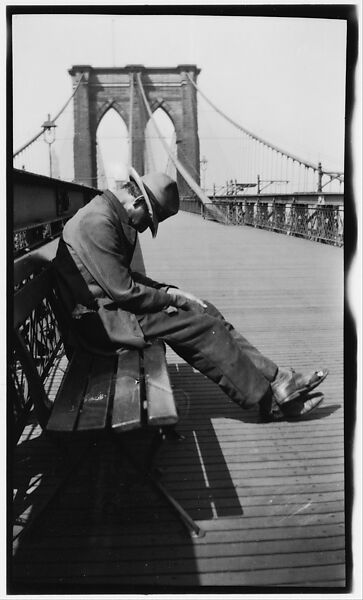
182	299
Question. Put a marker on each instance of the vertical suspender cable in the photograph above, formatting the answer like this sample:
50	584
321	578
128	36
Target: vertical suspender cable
131	123
339	176
180	168
249	133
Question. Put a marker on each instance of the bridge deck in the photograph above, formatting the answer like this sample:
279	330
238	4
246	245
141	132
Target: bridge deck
269	496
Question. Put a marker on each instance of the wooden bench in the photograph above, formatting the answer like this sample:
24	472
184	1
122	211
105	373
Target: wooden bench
99	395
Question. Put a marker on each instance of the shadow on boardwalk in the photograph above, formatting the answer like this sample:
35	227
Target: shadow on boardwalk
269	496
107	529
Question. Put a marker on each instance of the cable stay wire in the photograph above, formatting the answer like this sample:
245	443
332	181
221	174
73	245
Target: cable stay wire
35	137
317	168
131	121
169	165
180	168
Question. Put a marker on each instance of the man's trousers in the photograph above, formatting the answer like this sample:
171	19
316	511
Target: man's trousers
207	342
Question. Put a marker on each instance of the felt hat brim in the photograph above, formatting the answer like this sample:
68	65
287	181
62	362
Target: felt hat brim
153	221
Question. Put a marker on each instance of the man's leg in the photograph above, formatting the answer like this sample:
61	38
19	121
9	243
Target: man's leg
206	341
289	389
267	367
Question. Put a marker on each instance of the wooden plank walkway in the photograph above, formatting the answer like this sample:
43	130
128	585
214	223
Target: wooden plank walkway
269	496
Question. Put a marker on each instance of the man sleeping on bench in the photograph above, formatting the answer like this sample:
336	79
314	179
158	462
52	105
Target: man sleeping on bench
113	307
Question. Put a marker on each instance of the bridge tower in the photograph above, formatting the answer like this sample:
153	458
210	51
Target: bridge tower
103	88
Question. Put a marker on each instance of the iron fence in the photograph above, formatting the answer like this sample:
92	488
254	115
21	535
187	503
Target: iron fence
37	235
41	207
191	205
41	337
321	223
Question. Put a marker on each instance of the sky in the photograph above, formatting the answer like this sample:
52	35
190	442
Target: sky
281	78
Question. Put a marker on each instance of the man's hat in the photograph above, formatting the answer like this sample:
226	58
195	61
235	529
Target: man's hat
161	196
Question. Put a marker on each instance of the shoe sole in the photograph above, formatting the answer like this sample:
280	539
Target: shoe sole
273	418
319	397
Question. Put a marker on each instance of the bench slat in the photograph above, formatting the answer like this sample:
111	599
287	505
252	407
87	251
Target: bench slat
93	414
161	404
30	296
70	395
126	414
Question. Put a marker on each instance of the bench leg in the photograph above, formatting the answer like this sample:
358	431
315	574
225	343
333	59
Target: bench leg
155	446
186	519
172	434
149	475
167	432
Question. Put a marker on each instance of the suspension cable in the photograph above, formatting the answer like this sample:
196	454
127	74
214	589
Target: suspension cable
131	122
180	168
53	121
256	138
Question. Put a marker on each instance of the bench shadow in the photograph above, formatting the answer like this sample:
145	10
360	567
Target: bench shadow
107	530
196	468
202	459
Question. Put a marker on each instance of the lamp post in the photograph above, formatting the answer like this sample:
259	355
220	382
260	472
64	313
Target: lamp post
49	138
203	164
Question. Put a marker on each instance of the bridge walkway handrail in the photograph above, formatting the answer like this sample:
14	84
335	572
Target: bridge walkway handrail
307	217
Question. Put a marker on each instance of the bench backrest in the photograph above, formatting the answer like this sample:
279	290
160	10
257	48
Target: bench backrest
38	323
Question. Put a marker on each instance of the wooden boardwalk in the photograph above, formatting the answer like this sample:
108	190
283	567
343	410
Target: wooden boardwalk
269	496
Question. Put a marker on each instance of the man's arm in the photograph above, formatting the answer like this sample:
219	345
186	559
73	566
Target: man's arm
179	297
105	250
141	278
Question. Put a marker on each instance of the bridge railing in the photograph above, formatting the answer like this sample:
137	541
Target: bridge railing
41	206
192	205
302	218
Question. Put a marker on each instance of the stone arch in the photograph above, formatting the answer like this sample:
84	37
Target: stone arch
112	148
165	106
155	155
105	107
105	88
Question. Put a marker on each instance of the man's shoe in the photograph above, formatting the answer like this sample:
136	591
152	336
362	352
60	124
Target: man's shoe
302	406
294	409
289	385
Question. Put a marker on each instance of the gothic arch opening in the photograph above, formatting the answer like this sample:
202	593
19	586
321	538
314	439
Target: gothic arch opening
155	156
168	88
112	140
